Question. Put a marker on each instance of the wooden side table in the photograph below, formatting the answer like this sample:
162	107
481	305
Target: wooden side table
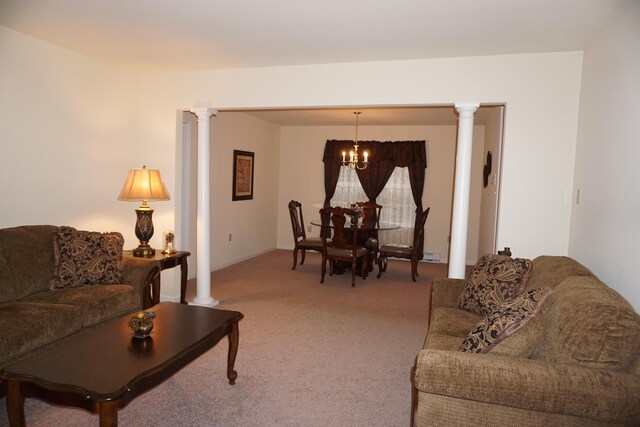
167	261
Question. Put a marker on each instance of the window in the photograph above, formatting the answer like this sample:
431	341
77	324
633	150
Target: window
348	189
396	199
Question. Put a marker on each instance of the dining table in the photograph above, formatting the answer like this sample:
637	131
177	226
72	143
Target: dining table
364	227
364	232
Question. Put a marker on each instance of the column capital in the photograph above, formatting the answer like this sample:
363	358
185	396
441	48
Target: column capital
203	112
467	109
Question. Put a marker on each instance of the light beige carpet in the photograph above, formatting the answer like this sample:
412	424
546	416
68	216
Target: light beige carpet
310	354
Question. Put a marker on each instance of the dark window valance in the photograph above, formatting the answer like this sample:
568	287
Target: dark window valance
400	153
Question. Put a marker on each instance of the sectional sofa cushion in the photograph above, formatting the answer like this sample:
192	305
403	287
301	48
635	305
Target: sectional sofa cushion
28	325
493	280
550	271
523	343
452	321
589	324
86	258
17	244
95	303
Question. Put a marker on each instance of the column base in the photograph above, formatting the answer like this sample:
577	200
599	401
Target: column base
204	302
455	273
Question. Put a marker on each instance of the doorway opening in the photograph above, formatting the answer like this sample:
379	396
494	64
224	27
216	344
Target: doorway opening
435	124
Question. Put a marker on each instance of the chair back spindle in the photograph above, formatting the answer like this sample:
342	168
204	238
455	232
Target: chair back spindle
418	233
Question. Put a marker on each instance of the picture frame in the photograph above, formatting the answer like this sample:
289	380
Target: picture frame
243	167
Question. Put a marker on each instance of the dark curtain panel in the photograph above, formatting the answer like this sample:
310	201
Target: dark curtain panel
375	176
383	158
332	158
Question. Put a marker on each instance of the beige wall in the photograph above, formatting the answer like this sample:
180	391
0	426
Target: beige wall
187	186
95	122
251	235
604	227
71	127
304	180
68	136
251	222
538	89
489	194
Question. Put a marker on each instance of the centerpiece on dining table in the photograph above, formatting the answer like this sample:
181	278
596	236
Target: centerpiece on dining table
358	213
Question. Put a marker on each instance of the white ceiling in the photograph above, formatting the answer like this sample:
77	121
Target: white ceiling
169	35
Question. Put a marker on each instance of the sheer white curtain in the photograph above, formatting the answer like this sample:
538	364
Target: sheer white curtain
396	200
398	207
348	189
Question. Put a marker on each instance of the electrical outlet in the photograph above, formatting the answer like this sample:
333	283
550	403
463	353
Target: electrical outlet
578	197
229	236
309	228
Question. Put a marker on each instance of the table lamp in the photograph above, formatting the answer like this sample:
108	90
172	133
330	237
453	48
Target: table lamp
143	185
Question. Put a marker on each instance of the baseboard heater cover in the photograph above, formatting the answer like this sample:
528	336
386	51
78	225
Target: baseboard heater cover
431	256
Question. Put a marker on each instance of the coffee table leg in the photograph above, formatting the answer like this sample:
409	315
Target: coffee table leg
15	404
233	351
108	413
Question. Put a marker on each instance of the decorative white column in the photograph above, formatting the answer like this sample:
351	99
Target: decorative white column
462	185
203	234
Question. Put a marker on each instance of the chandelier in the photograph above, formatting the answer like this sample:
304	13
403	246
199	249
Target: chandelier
353	154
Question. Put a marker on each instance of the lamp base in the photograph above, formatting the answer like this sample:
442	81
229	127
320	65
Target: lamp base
144	251
144	231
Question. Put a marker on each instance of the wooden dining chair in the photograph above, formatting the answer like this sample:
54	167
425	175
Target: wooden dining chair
371	212
394	250
300	240
343	245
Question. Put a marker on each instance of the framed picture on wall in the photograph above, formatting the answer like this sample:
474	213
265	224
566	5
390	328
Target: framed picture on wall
242	175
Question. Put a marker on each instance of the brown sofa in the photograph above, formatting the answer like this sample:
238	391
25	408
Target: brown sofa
32	315
576	363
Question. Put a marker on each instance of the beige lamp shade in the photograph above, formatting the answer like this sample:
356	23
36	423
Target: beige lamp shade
142	185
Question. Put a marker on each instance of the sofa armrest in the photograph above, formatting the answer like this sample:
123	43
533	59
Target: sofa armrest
445	292
608	396
139	273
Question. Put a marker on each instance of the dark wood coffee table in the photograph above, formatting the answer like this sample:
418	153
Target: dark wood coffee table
104	369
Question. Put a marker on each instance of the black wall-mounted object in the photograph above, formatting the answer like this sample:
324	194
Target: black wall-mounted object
486	171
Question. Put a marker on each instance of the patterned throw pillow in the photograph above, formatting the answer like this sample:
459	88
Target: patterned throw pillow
86	258
494	279
504	321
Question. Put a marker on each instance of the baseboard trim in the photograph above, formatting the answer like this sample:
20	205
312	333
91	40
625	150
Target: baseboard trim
236	261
